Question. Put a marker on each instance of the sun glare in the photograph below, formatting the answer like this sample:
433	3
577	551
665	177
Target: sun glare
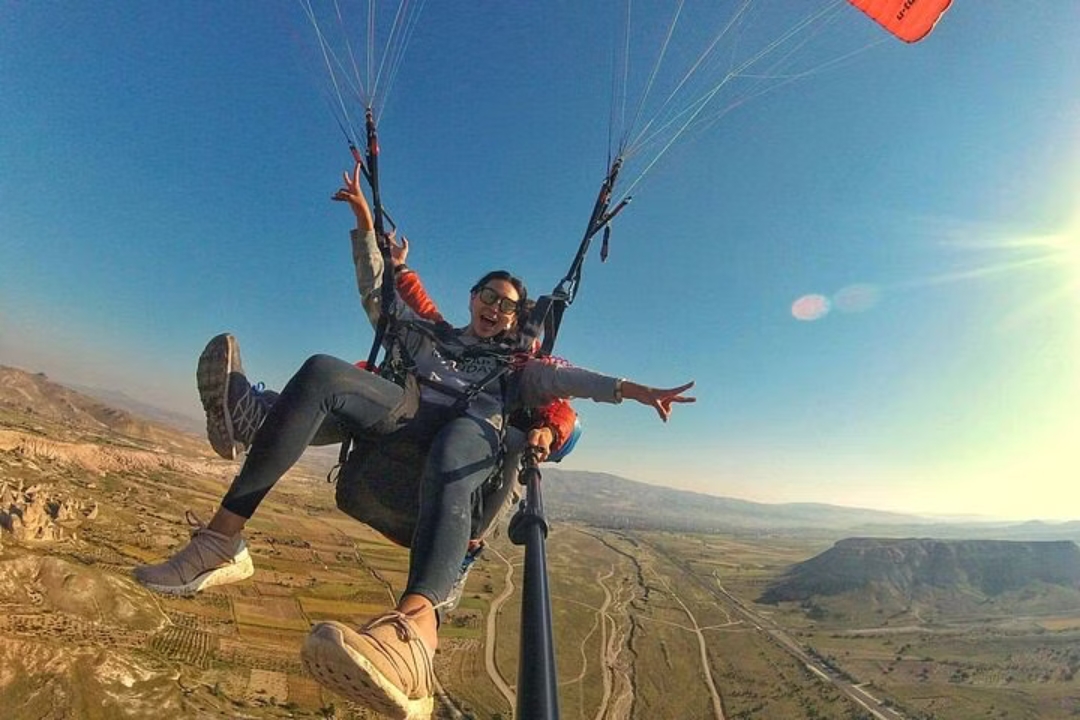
1013	255
1062	251
1067	244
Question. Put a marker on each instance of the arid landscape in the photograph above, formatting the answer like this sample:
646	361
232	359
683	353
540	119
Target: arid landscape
774	612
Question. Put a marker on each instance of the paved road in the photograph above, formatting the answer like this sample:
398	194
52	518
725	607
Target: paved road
854	692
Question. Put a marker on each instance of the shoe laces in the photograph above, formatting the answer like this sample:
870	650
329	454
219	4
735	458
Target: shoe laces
406	633
198	528
248	412
399	621
204	550
193	520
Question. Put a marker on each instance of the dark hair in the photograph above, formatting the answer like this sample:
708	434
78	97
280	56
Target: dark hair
518	283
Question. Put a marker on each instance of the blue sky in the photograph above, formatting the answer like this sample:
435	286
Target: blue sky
167	170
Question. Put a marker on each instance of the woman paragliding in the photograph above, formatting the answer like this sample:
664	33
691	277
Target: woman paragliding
457	388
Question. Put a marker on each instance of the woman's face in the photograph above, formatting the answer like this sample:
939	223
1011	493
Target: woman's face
493	308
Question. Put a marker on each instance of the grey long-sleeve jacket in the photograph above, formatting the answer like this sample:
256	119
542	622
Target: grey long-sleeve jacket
455	360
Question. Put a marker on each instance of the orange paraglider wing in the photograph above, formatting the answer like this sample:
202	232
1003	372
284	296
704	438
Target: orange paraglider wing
909	20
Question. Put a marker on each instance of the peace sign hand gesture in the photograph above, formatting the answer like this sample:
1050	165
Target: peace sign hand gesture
352	193
662	400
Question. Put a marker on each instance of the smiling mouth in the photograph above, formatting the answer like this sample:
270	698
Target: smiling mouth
488	321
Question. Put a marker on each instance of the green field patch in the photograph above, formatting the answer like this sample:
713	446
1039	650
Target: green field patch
470	601
333	591
1059	623
285	565
282	613
372	593
141	555
397	580
461	633
382	558
957	702
213	609
283	640
271	582
376	544
273	589
343	610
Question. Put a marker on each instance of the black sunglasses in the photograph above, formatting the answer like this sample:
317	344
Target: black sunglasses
505	305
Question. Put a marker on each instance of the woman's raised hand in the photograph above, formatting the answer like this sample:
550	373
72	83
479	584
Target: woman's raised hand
662	400
398	251
352	193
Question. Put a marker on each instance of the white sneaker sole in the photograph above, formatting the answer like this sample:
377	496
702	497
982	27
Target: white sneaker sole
241	568
340	668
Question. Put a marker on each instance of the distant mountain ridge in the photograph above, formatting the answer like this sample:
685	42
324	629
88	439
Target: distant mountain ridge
910	567
600	499
612	501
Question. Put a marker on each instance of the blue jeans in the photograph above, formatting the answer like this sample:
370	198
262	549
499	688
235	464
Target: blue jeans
464	453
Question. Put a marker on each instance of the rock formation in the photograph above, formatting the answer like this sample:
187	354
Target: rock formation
35	515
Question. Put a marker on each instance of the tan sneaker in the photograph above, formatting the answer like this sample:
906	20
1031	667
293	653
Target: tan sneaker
385	666
209	559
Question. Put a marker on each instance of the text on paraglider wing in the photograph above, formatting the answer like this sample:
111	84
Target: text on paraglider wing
908	4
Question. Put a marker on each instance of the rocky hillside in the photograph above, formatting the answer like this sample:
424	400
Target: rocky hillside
910	568
32	402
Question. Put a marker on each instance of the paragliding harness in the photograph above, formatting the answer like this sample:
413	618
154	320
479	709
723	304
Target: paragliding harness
378	479
380	476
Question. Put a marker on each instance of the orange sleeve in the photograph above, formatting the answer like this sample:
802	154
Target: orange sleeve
559	416
412	291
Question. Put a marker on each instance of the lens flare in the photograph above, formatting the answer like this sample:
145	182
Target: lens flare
856	298
810	307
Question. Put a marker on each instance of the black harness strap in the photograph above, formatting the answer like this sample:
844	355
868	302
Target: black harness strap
387	291
463	398
546	316
397	362
544	321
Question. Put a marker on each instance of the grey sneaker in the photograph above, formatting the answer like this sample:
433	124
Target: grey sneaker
209	559
458	588
385	666
234	407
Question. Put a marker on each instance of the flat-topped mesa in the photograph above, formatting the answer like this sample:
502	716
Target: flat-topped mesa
988	566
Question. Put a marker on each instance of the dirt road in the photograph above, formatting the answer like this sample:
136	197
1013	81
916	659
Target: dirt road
492	631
